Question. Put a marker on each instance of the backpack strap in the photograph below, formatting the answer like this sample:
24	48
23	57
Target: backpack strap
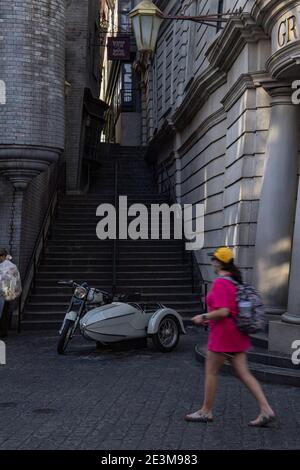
228	278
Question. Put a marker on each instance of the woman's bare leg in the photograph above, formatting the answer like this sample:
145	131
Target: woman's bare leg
213	363
240	365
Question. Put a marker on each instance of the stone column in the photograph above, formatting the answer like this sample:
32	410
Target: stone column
16	167
278	200
282	334
293	312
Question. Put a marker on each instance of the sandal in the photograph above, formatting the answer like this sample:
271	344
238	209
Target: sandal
198	417
262	421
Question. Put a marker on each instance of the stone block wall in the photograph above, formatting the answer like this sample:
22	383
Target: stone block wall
216	155
32	67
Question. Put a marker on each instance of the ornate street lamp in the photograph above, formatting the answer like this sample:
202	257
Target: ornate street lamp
147	18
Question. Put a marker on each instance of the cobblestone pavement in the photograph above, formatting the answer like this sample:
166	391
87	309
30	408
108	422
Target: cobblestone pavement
134	399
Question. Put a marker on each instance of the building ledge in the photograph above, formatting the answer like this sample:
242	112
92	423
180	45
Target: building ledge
239	31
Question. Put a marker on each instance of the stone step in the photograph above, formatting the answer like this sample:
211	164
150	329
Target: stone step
143	198
73	239
98	258
168	296
106	265
102	250
89	224
90	245
262	371
145	288
260	340
97	253
140	259
128	281
76	276
38	300
157	268
271	359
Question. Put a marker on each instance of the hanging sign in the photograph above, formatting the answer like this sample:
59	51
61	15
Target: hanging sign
118	48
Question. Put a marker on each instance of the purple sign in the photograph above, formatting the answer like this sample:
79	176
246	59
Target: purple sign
119	48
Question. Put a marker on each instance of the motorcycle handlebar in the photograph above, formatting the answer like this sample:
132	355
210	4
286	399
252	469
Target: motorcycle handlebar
71	283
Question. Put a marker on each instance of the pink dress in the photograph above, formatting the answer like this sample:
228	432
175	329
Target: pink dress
224	335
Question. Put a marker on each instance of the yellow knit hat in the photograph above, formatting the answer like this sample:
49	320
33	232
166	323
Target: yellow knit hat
223	254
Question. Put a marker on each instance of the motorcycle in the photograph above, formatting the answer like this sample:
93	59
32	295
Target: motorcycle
83	299
106	319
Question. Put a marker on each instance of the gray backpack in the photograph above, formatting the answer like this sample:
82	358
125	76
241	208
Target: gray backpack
251	312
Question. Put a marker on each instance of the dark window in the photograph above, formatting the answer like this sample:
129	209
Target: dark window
127	84
220	12
128	96
125	6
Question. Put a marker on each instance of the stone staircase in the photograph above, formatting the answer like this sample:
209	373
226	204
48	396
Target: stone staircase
159	269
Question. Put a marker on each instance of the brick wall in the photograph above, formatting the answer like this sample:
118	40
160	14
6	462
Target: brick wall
32	65
35	204
6	199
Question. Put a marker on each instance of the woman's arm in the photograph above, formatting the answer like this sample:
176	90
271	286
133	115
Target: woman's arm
214	315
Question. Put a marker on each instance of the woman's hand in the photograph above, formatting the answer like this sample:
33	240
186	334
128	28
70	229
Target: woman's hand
199	320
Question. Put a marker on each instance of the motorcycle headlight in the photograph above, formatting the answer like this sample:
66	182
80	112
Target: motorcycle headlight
80	292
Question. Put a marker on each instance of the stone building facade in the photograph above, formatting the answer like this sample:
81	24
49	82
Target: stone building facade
218	112
83	72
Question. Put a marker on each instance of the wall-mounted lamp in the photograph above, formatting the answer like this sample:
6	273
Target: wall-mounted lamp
147	18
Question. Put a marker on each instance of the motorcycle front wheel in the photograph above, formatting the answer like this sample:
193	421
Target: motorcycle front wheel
167	336
65	337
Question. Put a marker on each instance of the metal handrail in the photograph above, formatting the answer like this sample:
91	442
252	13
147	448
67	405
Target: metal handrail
29	277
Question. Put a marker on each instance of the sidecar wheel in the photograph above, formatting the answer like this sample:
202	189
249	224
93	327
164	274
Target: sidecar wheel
167	336
65	337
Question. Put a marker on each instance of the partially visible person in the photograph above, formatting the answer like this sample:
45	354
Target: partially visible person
226	341
10	289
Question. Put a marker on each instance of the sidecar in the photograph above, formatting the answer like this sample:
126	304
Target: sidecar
121	321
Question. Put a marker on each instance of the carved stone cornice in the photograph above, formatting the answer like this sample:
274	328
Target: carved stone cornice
245	82
267	12
280	91
280	63
21	164
203	86
213	120
239	31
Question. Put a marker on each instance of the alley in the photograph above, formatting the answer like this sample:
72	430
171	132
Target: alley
129	399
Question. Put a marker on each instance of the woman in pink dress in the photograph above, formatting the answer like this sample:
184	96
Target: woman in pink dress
226	341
